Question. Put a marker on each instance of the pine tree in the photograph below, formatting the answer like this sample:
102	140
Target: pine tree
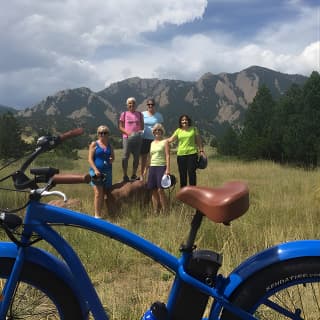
255	139
311	114
298	117
229	143
11	143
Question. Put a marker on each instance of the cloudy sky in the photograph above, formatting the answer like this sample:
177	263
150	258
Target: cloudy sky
51	45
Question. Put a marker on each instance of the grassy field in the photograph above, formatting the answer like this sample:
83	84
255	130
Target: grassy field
284	206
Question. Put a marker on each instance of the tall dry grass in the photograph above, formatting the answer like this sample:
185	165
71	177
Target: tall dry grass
284	206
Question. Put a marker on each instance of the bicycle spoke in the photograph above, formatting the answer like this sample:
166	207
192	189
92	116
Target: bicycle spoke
30	303
296	302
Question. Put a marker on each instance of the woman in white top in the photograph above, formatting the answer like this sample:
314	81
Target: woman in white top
150	117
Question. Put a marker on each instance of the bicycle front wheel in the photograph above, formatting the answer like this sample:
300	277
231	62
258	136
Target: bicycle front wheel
39	295
285	290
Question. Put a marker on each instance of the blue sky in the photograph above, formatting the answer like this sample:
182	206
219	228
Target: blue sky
51	45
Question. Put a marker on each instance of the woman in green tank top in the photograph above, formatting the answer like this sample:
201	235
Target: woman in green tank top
189	144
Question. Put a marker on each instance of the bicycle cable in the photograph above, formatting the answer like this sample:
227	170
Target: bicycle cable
13	161
16	190
12	236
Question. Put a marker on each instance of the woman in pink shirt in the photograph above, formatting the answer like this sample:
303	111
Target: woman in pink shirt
131	125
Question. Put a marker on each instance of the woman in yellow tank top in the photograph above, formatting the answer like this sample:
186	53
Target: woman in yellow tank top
159	165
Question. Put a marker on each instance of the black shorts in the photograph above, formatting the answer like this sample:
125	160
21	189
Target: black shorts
155	175
145	146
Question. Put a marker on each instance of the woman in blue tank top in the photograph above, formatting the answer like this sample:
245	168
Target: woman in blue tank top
101	156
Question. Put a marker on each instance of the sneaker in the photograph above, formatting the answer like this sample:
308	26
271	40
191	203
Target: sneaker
126	179
134	177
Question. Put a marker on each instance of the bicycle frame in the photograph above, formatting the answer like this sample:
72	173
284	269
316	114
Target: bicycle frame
37	220
39	216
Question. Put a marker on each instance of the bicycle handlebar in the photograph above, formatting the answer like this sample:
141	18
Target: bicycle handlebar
46	143
71	134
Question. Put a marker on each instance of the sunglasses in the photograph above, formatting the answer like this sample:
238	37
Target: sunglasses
150	104
102	133
157	130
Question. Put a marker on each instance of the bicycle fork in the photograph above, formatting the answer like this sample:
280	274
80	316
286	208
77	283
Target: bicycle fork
11	283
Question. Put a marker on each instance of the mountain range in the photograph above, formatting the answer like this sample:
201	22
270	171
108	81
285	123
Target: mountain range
4	109
212	101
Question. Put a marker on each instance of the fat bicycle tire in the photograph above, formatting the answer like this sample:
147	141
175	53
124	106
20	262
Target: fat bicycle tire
293	286
40	294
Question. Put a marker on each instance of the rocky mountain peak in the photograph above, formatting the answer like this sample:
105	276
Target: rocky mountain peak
210	101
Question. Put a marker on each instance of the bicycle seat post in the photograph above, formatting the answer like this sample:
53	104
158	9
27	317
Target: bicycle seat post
195	225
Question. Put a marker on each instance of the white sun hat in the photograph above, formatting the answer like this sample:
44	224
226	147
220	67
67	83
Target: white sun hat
167	181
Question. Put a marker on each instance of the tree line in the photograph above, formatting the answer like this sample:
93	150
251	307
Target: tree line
13	146
11	143
285	131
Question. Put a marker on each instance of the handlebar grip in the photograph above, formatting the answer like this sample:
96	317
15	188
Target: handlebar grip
70	178
71	134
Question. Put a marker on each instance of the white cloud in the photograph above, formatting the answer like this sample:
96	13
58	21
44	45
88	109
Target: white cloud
309	59
188	58
45	40
76	25
49	45
293	34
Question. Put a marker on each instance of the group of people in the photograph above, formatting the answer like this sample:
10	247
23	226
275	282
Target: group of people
143	136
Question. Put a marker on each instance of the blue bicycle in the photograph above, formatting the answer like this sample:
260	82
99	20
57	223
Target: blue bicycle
281	282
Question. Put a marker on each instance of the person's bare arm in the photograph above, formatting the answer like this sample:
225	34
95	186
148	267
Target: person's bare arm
112	158
92	149
199	144
167	151
173	138
122	128
142	122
